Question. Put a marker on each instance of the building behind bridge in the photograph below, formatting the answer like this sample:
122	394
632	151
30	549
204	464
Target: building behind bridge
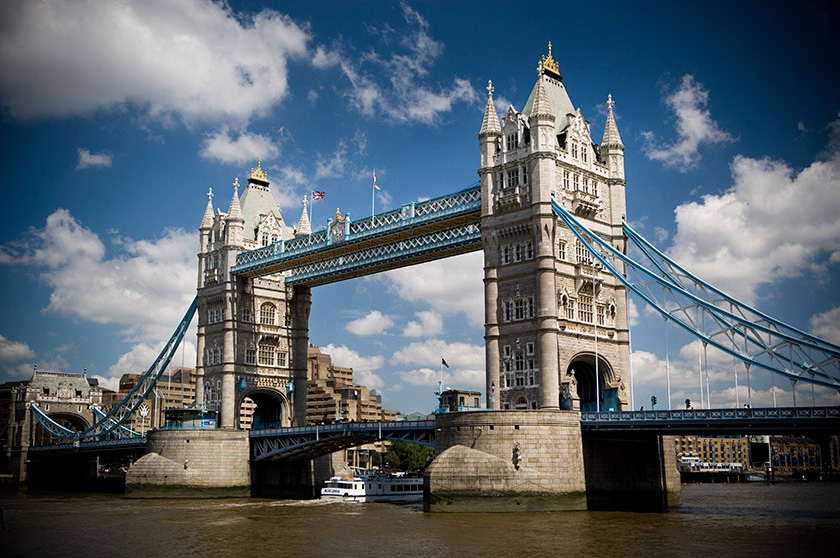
789	456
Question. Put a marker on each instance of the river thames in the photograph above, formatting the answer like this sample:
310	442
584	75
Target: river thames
790	519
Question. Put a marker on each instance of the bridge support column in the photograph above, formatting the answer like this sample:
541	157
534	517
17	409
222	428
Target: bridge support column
633	471
491	336
506	461
300	305
547	317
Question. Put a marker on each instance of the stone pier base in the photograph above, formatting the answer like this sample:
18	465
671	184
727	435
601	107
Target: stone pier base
192	464
501	461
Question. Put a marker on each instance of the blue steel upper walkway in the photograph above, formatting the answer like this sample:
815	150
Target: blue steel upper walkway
415	233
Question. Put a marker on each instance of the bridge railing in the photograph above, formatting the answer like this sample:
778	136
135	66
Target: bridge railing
776	413
69	447
344	427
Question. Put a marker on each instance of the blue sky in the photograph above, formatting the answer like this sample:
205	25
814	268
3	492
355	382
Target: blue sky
118	116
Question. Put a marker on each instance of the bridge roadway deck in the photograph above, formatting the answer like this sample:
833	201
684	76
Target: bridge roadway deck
311	441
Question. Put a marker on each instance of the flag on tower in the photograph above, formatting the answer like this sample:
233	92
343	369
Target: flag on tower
318	194
374	181
443	362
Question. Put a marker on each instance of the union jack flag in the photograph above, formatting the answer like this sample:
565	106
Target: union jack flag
317	194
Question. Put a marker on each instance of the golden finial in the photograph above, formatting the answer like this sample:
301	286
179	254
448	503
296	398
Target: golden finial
258	173
548	62
337	214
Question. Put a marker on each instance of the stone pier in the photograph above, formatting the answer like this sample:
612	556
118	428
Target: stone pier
502	461
192	463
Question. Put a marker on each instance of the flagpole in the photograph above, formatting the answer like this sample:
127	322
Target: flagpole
311	203
372	196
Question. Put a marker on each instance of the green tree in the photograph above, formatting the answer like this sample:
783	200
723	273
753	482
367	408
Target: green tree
408	457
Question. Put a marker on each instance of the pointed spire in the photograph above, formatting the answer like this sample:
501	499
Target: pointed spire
235	211
490	125
541	106
611	136
303	227
207	221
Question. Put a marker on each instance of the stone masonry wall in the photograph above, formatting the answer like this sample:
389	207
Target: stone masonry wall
207	459
475	469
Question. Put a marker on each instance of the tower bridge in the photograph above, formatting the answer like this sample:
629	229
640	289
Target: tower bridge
549	215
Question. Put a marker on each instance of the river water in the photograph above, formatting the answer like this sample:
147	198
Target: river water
790	519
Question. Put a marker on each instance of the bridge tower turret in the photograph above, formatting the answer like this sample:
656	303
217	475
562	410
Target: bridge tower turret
245	333
554	320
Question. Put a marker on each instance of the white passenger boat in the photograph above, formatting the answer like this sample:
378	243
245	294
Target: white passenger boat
366	485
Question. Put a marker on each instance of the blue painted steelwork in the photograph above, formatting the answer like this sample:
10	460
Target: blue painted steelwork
310	441
411	221
705	312
774	420
416	249
135	443
119	430
114	419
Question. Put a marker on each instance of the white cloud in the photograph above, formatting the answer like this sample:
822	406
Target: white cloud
430	324
145	287
695	127
827	325
773	223
449	286
363	367
375	323
466	363
324	58
194	58
334	165
391	85
220	146
14	351
632	312
88	159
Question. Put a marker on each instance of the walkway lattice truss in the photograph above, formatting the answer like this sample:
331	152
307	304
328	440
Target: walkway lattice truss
415	233
749	336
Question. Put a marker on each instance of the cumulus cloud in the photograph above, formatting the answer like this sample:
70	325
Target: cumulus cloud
332	165
695	128
466	363
391	85
220	146
88	159
375	323
827	325
195	58
428	324
773	223
450	286
145	287
14	351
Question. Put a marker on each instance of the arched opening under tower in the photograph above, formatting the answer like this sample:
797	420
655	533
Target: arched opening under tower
578	387
71	421
263	408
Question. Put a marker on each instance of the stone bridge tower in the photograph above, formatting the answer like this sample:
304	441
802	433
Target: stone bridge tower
549	308
252	332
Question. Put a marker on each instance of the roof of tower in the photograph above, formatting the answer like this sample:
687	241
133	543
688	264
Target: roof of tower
555	92
303	226
541	107
207	221
611	136
490	124
235	210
